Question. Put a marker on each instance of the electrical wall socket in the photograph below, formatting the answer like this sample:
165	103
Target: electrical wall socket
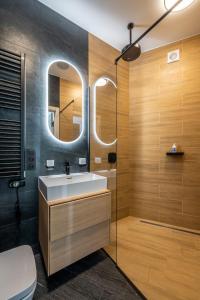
82	161
50	163
97	160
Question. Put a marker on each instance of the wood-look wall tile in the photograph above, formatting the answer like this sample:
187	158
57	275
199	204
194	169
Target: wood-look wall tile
190	140
144	139
122	213
151	88
148	105
170	166
170	206
145	166
191	207
101	62
191	178
123	199
171	191
170	128
177	102
141	211
170	178
145	119
146	177
140	186
169	116
171	218
170	101
147	130
144	152
191	221
191	100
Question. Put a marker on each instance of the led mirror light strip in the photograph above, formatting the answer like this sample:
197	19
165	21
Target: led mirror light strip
103	78
47	102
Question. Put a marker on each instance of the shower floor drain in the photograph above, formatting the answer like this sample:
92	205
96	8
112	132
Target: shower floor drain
170	227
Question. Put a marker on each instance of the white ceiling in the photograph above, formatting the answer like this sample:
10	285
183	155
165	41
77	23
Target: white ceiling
107	19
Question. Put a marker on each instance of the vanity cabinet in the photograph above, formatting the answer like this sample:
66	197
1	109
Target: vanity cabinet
72	228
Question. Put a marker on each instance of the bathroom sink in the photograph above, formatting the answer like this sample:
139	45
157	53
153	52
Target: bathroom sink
111	177
61	186
106	173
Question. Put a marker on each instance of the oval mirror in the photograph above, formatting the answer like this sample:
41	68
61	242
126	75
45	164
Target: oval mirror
65	101
105	109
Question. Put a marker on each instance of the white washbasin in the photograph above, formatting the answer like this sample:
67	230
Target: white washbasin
107	173
61	186
111	177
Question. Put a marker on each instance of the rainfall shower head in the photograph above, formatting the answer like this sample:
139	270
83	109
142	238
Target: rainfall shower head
134	52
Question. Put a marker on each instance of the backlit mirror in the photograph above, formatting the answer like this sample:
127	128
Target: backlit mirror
105	111
65	101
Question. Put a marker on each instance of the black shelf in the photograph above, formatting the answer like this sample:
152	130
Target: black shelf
175	153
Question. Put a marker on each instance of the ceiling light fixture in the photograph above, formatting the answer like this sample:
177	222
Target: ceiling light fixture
184	4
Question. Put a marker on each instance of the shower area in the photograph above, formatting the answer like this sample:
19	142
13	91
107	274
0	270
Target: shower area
138	110
158	242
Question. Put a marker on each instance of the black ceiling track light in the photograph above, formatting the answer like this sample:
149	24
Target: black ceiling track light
129	50
133	52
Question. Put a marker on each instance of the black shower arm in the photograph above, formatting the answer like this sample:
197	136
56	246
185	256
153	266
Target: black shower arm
148	30
66	106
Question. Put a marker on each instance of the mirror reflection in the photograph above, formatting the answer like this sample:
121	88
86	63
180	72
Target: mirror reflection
64	101
105	110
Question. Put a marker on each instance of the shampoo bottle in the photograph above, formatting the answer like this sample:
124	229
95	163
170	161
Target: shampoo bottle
174	148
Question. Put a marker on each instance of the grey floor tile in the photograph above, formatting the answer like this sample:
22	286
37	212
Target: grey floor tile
93	278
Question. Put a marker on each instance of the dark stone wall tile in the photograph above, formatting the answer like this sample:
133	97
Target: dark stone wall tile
43	35
13	235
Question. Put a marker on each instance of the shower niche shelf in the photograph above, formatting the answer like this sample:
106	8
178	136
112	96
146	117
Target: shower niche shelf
175	153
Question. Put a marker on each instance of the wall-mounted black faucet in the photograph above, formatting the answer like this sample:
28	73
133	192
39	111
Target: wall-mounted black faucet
67	168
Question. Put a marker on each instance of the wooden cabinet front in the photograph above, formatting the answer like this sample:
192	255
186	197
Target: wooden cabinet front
73	229
71	248
77	215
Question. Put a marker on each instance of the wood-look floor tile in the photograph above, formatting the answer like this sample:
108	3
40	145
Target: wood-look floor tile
162	262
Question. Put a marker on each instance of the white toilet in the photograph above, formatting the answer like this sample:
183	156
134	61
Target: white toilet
18	277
